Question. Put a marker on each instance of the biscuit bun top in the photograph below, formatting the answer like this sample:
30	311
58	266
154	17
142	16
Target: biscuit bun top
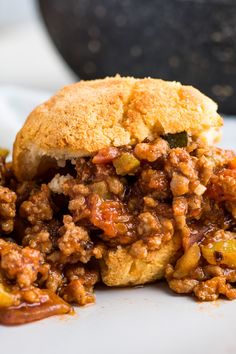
87	116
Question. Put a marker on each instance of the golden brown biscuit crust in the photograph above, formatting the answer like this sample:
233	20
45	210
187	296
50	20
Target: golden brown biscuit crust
87	116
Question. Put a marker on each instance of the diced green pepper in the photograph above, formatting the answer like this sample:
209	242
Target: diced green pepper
4	152
177	139
126	164
221	252
188	262
6	298
101	189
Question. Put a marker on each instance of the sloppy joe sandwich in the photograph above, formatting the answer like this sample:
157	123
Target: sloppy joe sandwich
116	181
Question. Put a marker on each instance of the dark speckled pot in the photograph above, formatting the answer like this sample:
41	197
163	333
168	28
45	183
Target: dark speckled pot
193	41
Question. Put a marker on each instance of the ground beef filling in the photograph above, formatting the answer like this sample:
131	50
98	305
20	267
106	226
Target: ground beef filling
53	232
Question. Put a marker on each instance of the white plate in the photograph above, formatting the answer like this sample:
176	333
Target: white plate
148	320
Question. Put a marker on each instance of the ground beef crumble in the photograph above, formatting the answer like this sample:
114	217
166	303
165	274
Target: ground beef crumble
7	209
79	289
20	264
135	197
38	206
74	240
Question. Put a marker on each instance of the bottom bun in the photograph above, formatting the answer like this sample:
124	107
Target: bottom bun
120	268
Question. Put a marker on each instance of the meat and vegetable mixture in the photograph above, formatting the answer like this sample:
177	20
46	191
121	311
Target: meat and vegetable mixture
57	229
